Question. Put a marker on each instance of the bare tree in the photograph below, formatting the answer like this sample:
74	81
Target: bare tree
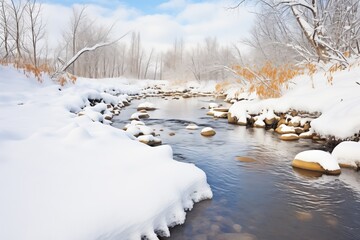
37	32
17	9
4	16
75	22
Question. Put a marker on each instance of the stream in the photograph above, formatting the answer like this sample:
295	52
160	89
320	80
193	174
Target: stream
263	198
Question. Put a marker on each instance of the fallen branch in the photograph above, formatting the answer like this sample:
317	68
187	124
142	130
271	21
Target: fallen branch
87	49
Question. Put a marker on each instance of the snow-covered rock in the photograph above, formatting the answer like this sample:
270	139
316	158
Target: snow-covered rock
149	140
192	126
283	129
208	131
289	137
317	160
146	106
347	154
213	105
218	114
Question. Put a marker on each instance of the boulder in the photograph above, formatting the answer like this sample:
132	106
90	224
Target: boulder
208	131
289	137
317	160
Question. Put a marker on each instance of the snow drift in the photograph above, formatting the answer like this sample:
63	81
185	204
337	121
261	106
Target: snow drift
64	176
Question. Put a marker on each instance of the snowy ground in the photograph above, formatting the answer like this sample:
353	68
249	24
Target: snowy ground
64	176
338	102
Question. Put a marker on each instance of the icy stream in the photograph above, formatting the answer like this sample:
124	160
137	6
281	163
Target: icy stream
261	199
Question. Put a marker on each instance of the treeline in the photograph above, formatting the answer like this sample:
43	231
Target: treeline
23	39
286	32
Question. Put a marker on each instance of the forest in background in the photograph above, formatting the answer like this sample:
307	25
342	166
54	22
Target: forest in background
287	37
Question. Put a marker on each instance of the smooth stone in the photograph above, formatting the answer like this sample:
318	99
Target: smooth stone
237	227
172	134
208	132
108	118
144	115
304	216
289	137
313	166
245	159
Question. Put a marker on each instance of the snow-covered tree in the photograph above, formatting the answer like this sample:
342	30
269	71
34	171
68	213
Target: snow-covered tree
317	30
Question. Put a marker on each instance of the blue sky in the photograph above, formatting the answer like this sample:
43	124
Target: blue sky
159	22
147	7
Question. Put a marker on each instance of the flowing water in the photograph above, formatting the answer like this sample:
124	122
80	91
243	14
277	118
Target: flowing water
258	198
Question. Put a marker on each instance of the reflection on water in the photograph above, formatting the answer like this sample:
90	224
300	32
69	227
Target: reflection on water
261	199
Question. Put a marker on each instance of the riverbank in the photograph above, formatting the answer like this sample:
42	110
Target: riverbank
66	174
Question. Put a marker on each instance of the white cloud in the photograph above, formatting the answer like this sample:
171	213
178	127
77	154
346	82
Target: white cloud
173	5
193	23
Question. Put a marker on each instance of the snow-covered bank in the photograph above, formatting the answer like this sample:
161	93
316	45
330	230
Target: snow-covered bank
64	176
338	102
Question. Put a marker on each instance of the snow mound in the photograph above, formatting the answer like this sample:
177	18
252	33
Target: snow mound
348	154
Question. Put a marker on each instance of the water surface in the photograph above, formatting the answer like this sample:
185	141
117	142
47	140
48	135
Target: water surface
261	199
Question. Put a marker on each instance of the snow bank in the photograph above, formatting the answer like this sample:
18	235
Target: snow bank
339	103
348	154
64	176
